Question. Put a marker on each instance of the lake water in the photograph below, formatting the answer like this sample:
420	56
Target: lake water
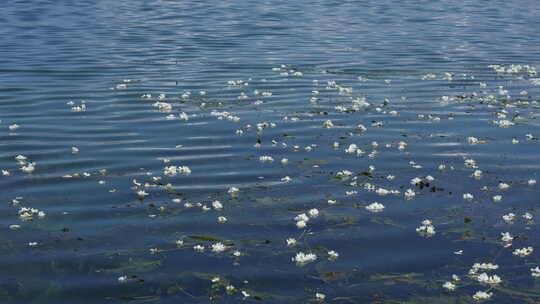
123	122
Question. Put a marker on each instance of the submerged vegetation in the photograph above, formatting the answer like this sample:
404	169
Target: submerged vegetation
312	215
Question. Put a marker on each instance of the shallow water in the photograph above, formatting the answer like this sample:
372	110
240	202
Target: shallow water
117	57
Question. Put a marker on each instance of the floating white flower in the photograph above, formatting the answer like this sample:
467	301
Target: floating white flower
320	296
266	159
426	229
449	286
482	295
527	216
221	219
328	124
503	186
416	181
535	272
233	190
477	174
122	279
286	179
472	140
375	207
313	212
198	248
409	194
13	127
291	242
468	196
29	168
218	247
531	182
332	255
301	224
506	237
217	205
487	279
284	161
509	218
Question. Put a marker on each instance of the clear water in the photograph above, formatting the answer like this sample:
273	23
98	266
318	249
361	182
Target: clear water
97	229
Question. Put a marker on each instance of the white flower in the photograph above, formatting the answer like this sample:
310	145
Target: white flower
409	194
375	207
468	196
291	242
509	218
455	278
471	163
217	205
328	124
477	173
426	229
142	193
233	190
301	217
472	140
122	279
6	173
332	202
245	294
29	168
531	182
320	296
222	219
179	242
504	186
506	237
301	224
449	286
218	247
523	252
487	279
332	255
198	248
313	212
32	244
497	198
286	179
416	181
284	161
527	216
13	127
535	272
74	150
482	295
382	192
304	258
266	159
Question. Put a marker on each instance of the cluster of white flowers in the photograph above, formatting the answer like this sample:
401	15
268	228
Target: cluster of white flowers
218	247
28	214
523	252
484	278
426	229
175	170
304	258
